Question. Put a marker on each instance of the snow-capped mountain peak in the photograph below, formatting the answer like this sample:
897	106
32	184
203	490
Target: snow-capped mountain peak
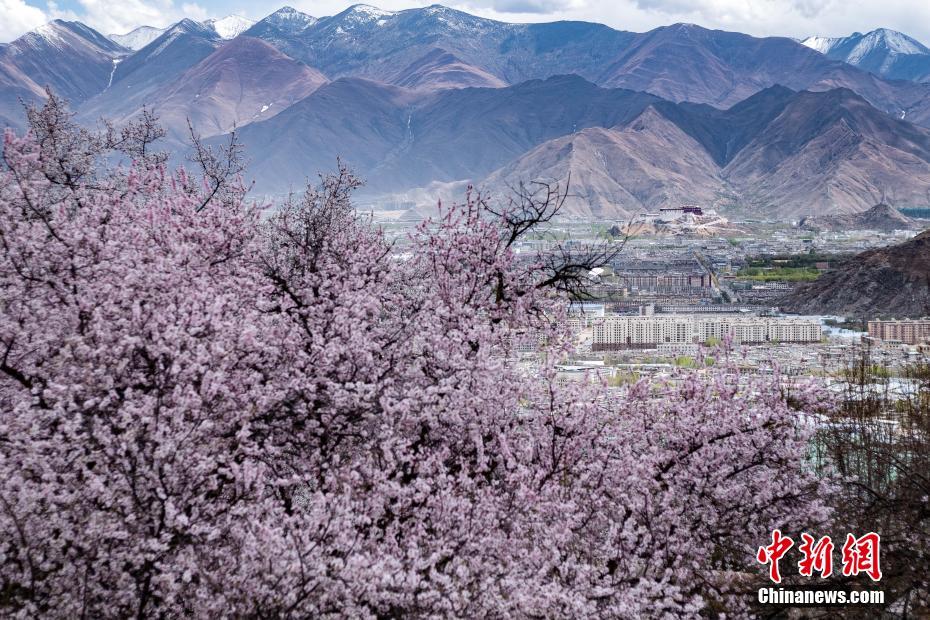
138	38
290	14
857	46
50	33
890	40
289	19
884	52
369	12
63	35
366	14
231	26
821	44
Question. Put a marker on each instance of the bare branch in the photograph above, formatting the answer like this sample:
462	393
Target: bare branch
220	169
136	139
565	268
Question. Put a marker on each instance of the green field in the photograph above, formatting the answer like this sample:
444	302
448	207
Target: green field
779	274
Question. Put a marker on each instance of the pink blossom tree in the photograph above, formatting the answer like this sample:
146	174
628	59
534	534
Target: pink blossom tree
206	412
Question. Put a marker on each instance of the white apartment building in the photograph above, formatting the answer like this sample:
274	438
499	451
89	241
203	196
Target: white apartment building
678	349
588	309
648	332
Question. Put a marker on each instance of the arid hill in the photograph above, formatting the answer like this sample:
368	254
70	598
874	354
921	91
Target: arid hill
780	153
881	217
886	282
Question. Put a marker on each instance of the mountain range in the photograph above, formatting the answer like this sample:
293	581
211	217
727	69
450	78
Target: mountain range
423	101
228	27
778	153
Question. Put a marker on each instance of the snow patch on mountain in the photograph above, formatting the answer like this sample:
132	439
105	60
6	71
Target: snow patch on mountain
363	15
164	44
368	13
290	19
860	45
821	44
46	34
884	52
138	38
230	27
888	40
112	72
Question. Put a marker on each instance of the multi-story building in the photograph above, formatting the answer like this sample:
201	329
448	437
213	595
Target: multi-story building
678	308
581	314
647	332
678	349
663	277
905	330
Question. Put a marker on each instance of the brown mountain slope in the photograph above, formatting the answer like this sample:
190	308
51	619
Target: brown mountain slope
831	152
244	81
898	98
781	154
880	217
438	69
640	167
399	139
72	59
685	62
16	88
886	282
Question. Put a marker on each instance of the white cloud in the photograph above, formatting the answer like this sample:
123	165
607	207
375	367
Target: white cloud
794	18
195	11
17	18
111	17
526	7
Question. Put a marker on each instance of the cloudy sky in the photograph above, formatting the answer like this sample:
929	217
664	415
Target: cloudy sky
798	18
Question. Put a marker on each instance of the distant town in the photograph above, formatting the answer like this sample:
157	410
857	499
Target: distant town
677	292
